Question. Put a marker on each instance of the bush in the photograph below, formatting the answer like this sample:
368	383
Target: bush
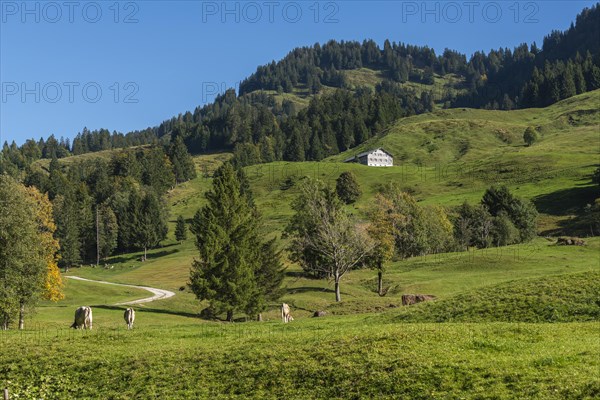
347	188
530	136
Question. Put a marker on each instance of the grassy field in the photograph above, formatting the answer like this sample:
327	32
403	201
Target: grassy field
346	357
520	321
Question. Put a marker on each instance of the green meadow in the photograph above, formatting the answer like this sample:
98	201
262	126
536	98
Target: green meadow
517	322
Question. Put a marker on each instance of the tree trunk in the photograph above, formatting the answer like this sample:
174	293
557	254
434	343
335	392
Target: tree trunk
229	316
338	296
145	255
22	316
380	282
259	318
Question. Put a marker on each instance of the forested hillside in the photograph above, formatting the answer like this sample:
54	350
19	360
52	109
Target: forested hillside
112	202
325	99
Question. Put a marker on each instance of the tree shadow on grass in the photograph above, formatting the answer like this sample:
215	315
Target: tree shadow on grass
306	289
148	310
567	201
151	256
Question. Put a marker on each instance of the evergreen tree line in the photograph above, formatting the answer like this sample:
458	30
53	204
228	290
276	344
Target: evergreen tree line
85	142
119	201
264	129
313	67
505	79
332	124
91	141
500	79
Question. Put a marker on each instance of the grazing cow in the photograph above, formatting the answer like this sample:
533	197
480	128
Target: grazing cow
83	318
129	317
285	313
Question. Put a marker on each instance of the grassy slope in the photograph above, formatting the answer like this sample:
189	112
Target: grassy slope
173	354
559	298
349	357
557	167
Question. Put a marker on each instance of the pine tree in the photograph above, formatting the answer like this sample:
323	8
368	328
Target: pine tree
232	264
295	147
108	230
180	229
157	170
151	227
66	215
269	276
183	165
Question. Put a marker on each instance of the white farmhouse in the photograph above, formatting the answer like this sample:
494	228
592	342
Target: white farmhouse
373	158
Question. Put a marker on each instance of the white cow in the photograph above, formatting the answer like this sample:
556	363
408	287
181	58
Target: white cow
129	317
83	318
285	313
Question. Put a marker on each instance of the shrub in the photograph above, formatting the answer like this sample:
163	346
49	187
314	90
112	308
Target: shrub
530	136
347	188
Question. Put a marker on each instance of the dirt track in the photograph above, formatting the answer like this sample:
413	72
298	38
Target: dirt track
158	294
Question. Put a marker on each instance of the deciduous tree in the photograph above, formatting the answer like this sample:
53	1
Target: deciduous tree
26	248
338	242
347	187
382	229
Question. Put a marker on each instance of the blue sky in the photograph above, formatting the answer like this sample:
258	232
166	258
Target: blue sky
132	64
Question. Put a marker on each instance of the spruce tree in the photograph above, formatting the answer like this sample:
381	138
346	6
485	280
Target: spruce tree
152	227
108	230
268	276
233	266
66	215
183	165
145	225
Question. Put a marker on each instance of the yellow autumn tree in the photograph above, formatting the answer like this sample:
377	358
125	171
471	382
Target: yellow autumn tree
53	284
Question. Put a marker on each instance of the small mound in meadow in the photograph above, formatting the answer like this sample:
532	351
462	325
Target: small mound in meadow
560	298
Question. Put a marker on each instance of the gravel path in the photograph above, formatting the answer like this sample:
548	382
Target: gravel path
158	294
